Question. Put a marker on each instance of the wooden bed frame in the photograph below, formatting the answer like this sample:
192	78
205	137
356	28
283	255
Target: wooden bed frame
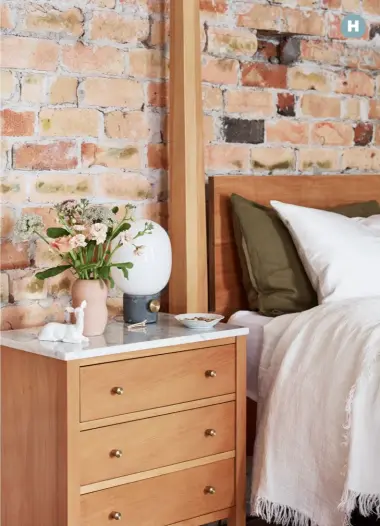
226	294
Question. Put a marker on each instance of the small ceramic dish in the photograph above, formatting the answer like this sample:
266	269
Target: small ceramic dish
199	320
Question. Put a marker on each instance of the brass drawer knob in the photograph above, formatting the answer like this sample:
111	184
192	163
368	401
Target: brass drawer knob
210	374
116	516
117	453
210	490
210	432
118	390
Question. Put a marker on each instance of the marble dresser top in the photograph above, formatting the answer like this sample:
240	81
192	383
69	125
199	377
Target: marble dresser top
118	339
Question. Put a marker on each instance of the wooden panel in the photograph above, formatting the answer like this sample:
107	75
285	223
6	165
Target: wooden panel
156	381
187	219
240	427
206	519
155	442
39	483
153	473
163	500
158	411
226	292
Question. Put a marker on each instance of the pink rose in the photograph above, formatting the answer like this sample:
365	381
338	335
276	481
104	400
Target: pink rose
62	244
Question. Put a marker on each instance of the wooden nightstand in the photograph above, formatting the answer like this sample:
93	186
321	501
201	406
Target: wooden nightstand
143	428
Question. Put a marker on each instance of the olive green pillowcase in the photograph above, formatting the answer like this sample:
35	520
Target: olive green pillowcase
273	276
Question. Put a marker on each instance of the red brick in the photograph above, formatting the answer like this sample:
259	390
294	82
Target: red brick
208	129
30	53
220	71
227	157
318	160
7	221
69	122
332	4
113	92
12	188
377	135
302	78
17	124
19	317
64	90
246	101
286	104
320	106
264	75
158	156
8	83
355	109
54	156
148	63
372	7
272	159
158	94
25	286
48	214
356	83
259	16
92	59
4	287
321	51
14	255
287	131
332	133
118	28
6	17
43	19
159	32
212	97
374	109
125	186
303	22
213	6
363	133
363	159
111	155
231	42
33	88
53	188
267	50
131	125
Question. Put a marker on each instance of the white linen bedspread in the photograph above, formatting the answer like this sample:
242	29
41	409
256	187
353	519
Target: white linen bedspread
317	451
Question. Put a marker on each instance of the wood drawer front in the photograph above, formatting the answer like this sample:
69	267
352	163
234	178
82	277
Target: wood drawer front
156	442
156	381
162	500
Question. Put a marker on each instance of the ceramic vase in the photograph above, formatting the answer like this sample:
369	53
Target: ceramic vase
95	292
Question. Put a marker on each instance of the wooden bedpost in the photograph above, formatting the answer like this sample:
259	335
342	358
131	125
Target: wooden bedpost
187	208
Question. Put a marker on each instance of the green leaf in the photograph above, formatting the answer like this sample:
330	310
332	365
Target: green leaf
104	272
115	209
121	228
112	283
55	232
54	271
124	270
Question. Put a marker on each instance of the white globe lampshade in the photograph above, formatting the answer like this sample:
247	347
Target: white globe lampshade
151	268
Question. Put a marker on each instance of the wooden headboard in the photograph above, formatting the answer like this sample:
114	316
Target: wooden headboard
226	294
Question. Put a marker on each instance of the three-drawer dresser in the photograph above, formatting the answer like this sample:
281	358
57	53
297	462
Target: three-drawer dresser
140	427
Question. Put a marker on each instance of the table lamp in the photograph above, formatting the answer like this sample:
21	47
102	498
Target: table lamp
150	274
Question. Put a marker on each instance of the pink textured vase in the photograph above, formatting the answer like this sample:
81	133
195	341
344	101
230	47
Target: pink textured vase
95	292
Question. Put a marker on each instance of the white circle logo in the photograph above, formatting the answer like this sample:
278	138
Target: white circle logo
353	26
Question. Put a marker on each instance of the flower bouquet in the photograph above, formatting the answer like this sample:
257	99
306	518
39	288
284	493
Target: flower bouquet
86	240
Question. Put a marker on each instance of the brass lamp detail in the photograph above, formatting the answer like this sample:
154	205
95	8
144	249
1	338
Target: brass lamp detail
210	432
154	306
117	453
210	490
210	374
118	391
116	516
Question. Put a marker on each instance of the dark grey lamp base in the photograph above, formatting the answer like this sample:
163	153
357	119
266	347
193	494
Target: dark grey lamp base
139	308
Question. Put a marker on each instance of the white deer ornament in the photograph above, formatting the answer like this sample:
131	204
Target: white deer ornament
66	332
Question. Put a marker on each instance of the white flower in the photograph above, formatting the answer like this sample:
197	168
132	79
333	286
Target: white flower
27	226
98	233
79	228
139	250
78	241
126	238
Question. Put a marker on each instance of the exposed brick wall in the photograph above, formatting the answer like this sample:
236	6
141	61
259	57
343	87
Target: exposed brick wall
308	101
84	88
81	117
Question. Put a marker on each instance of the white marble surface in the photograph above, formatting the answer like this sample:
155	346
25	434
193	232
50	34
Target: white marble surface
118	339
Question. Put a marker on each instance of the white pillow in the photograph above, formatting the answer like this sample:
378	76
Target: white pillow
341	255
